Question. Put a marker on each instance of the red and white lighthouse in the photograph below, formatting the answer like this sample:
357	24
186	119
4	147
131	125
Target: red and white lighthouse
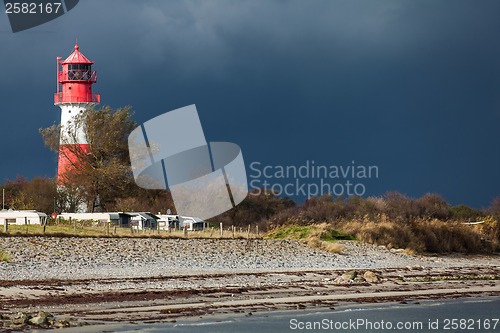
74	94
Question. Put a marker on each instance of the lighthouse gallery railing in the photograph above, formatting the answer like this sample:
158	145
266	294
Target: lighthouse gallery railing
90	98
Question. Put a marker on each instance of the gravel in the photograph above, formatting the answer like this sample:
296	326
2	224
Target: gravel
38	258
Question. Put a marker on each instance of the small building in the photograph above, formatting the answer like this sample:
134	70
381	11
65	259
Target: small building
177	222
21	217
192	223
143	220
119	218
136	220
168	222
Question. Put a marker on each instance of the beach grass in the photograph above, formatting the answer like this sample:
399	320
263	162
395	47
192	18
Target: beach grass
318	236
85	229
5	256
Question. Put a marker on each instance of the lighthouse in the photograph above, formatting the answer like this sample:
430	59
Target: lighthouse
75	78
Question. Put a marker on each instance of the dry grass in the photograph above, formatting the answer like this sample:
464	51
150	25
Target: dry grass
427	236
87	230
409	252
316	243
389	234
426	224
415	236
332	247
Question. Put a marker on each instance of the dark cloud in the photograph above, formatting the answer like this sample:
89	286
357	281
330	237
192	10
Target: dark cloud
411	86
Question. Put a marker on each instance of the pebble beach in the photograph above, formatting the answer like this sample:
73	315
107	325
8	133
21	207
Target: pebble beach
39	258
115	280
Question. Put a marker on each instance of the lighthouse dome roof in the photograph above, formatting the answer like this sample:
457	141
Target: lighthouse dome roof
77	57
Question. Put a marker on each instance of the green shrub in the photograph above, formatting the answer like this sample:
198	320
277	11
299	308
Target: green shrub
5	256
292	232
465	213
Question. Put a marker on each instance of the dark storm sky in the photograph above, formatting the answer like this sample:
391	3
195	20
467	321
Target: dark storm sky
410	86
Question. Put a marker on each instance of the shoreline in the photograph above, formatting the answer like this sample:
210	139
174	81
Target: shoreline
377	275
271	320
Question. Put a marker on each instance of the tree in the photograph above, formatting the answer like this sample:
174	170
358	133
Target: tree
142	200
433	206
13	189
400	207
103	171
68	198
256	208
38	194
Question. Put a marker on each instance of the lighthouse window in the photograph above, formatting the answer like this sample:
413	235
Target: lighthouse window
79	72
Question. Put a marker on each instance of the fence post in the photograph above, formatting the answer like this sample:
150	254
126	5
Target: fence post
107	228
45	224
221	230
232	227
26	224
131	230
114	230
5	226
211	232
74	224
257	228
248	233
58	220
185	231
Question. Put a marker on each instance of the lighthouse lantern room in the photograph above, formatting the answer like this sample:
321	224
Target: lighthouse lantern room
74	95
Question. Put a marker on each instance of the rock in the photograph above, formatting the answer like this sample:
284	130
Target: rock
61	323
371	277
21	319
42	318
37	320
349	276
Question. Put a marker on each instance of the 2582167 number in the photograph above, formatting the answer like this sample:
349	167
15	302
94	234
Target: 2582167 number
470	324
32	8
